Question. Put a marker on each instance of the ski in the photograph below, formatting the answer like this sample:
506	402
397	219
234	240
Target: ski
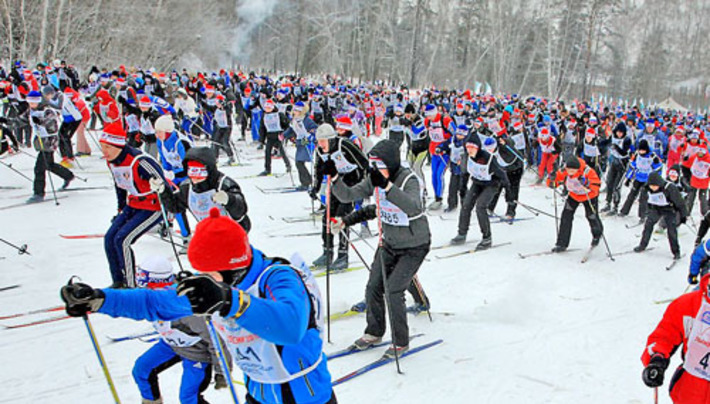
546	252
383	361
21	204
448	245
280	190
297	219
472	251
351	350
306	234
85	188
38	322
675	261
342	271
9	187
4	288
633	226
502	219
630	251
133	336
31	312
344	314
586	256
246	177
81	236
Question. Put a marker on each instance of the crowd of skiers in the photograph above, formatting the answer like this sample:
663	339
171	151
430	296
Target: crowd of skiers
150	124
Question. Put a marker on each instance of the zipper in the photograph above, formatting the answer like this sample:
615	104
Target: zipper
305	377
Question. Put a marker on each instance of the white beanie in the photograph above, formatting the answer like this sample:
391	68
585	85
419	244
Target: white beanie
154	270
325	131
165	124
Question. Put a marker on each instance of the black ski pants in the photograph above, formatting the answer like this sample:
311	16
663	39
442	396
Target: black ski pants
590	211
669	217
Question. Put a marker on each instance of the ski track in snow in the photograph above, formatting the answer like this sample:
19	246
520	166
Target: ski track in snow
541	330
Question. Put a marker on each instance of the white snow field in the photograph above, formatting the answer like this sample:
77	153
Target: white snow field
539	330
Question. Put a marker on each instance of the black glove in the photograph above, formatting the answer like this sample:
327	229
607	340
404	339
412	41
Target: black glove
377	179
683	220
206	295
329	168
313	193
653	373
81	298
219	381
692	279
627	183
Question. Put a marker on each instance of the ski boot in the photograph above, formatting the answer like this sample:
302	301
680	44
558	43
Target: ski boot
359	307
395	350
558	249
35	198
66	184
340	264
450	208
436	205
485	244
418	308
676	256
606	208
322	261
595	241
264	174
364	342
459	239
639	249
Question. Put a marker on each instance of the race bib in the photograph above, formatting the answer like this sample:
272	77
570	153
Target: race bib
697	357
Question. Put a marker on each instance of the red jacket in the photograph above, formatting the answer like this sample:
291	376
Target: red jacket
107	108
700	170
671	332
586	176
436	124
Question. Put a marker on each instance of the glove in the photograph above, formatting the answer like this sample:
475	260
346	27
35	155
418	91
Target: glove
169	175
683	220
219	382
337	225
206	295
693	279
377	179
627	183
437	151
281	138
157	185
653	373
220	197
313	193
329	168
81	298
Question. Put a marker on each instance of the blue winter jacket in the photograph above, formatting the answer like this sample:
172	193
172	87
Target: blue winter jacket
303	149
173	145
281	317
700	255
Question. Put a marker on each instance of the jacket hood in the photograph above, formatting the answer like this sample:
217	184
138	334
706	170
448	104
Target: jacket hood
388	152
204	155
654	178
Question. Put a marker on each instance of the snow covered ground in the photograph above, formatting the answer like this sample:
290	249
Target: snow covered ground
539	330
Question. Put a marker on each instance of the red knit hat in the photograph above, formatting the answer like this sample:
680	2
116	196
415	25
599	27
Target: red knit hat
113	134
219	244
344	123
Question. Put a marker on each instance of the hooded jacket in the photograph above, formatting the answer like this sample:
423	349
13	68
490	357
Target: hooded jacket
671	198
178	201
672	332
405	194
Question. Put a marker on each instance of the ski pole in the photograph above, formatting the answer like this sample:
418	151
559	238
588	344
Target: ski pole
534	211
328	251
554	201
16	171
44	158
655	395
100	356
20	250
170	232
357	252
217	343
388	301
594	211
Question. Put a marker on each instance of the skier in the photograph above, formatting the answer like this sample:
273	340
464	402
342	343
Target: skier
71	119
458	183
206	188
699	179
664	201
263	308
620	152
223	128
486	176
45	127
138	205
273	124
302	130
437	127
550	149
685	322
513	164
642	164
336	156
582	183
185	340
405	241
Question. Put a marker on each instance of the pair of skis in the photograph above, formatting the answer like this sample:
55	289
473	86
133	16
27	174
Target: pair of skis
46	310
382	361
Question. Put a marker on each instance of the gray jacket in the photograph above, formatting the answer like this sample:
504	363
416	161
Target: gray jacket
202	351
405	194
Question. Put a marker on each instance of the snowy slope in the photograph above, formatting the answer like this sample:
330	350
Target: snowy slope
540	330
